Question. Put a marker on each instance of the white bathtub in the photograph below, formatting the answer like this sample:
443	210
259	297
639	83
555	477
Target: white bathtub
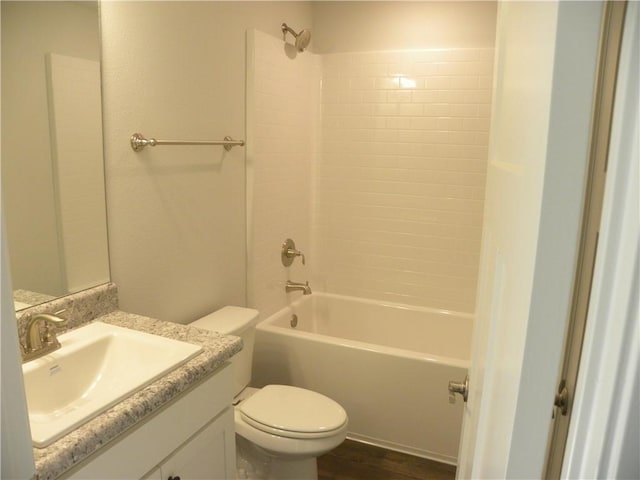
388	365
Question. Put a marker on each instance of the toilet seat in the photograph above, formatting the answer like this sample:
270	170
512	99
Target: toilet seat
293	412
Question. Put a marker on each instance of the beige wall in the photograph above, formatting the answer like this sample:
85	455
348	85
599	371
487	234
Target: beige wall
393	25
176	215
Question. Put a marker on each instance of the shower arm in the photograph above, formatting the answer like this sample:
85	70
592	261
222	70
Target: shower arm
286	28
302	38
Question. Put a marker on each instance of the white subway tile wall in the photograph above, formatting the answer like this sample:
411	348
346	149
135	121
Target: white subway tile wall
282	110
401	175
375	164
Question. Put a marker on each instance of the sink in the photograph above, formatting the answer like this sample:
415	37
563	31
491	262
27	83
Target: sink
97	366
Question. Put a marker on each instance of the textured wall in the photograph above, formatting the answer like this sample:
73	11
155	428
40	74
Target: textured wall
364	26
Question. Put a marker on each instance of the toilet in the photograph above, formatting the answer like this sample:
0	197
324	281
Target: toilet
280	429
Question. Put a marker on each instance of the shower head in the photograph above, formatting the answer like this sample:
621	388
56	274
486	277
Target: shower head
302	39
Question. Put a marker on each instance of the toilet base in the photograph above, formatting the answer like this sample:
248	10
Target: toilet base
296	469
254	463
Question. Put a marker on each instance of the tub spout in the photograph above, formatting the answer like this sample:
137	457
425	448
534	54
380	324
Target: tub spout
293	286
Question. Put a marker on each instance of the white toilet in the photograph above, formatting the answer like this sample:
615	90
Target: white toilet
280	430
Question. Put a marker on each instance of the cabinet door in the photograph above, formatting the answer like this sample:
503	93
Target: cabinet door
148	444
209	455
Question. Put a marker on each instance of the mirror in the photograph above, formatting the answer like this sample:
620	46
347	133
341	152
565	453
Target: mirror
53	192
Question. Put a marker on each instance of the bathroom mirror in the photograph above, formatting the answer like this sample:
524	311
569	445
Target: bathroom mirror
53	194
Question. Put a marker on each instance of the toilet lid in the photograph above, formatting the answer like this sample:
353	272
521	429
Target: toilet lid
293	412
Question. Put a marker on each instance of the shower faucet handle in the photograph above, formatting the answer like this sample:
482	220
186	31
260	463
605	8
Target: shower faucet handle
289	253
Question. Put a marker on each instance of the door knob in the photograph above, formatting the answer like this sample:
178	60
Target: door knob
459	387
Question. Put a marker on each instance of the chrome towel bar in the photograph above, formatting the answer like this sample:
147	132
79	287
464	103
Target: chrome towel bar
138	142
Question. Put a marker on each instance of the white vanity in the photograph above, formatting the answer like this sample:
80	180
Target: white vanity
193	437
179	426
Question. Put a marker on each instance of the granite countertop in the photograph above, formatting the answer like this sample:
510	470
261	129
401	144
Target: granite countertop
60	456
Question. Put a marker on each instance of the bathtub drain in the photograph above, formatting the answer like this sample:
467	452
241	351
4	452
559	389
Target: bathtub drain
294	321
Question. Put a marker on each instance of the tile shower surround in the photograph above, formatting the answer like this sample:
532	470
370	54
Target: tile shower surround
283	108
401	176
386	175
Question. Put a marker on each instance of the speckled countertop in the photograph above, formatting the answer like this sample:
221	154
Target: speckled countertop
57	458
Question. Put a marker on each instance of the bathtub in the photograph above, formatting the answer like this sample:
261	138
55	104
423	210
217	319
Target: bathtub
387	364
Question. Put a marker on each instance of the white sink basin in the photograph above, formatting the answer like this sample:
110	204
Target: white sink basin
98	365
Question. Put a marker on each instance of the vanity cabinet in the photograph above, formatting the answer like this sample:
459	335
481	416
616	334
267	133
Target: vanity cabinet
192	437
204	456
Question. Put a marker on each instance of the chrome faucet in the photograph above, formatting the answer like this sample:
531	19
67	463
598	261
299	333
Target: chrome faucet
41	341
294	286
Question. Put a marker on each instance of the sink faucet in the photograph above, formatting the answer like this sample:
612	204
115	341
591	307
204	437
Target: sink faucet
41	341
293	286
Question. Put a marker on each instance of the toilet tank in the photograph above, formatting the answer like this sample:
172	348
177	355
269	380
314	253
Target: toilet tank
241	322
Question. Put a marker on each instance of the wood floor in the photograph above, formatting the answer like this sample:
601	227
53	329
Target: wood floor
358	461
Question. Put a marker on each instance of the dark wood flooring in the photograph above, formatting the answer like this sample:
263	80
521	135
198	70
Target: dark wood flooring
359	461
